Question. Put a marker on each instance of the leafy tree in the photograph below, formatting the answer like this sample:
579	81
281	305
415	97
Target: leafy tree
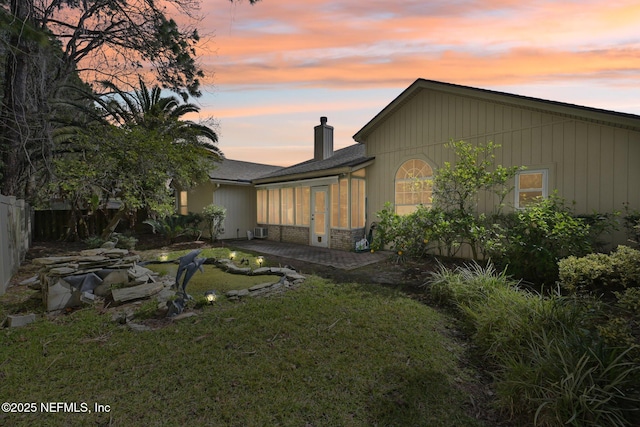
49	40
456	188
131	165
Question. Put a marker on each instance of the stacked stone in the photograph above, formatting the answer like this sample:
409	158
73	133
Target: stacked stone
288	279
71	280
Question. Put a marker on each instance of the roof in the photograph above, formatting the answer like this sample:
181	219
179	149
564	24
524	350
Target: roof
625	120
344	160
238	172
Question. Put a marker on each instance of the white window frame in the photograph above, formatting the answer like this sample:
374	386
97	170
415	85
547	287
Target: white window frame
424	179
544	189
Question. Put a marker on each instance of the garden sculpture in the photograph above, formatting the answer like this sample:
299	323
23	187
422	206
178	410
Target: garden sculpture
111	243
190	270
185	260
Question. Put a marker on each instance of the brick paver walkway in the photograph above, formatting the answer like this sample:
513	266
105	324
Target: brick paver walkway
336	258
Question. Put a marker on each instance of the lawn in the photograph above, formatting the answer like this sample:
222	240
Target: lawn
324	354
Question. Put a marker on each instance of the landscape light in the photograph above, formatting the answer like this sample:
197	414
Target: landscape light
260	260
232	255
211	296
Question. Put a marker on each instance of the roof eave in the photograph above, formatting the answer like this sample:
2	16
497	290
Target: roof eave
230	181
625	120
316	174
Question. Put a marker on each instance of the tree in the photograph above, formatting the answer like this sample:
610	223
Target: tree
99	39
456	187
150	110
130	165
131	147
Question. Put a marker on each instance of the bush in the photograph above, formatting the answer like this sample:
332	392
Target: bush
632	225
530	242
569	379
124	241
174	226
214	217
601	273
467	284
551	365
416	234
621	328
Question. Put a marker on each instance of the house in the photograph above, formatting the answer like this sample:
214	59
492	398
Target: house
230	185
320	202
590	156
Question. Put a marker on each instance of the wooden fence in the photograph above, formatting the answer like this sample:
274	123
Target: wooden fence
55	224
15	236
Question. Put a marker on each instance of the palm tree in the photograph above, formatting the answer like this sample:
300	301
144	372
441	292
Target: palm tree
150	110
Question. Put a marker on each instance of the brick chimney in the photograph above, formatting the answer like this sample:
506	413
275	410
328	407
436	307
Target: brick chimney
322	140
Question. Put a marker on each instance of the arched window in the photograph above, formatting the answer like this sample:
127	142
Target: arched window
414	183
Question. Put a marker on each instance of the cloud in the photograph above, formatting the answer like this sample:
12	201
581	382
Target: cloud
380	43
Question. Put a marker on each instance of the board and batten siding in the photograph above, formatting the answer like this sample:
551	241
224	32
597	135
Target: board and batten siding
592	163
239	200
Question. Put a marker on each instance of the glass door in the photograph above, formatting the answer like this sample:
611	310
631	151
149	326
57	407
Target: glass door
320	216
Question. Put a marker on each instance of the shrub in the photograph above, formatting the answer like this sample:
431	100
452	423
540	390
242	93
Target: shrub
530	242
467	284
174	226
126	242
621	328
214	217
601	273
570	380
456	188
93	242
552	366
632	225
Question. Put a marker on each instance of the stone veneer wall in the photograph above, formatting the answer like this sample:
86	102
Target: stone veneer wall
274	233
345	239
338	238
288	234
295	234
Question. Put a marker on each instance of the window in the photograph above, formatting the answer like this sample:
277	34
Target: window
287	206
274	206
262	206
413	186
340	204
529	186
357	203
183	207
303	204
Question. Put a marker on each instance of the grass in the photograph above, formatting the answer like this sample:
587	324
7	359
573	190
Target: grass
324	354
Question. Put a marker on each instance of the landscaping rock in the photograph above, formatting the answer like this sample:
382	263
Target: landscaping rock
182	316
15	320
259	287
136	292
138	327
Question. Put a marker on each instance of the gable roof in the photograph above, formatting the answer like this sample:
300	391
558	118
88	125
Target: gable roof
344	160
230	171
613	118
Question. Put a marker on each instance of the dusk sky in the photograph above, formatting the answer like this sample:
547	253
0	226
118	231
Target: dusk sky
275	67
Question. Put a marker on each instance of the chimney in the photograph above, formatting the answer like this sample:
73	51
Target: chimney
322	140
